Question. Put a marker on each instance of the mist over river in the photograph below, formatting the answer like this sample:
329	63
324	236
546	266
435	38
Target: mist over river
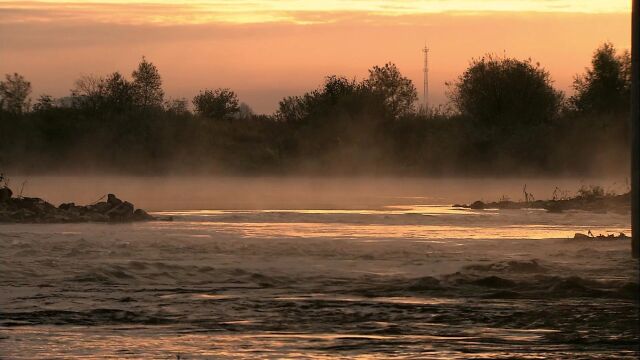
317	268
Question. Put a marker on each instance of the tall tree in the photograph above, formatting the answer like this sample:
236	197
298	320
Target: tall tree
14	93
605	87
216	104
504	93
398	91
119	92
291	109
147	85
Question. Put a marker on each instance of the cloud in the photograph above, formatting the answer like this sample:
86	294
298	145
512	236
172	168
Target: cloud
275	11
265	61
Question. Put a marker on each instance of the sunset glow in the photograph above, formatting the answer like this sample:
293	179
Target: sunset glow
319	179
266	50
294	11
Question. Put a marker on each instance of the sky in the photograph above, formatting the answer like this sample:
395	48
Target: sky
265	50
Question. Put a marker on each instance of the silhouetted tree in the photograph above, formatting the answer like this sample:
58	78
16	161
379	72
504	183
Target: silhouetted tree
216	104
88	92
337	87
398	91
503	93
177	106
335	125
118	92
507	121
44	103
291	109
147	85
337	94
14	93
605	87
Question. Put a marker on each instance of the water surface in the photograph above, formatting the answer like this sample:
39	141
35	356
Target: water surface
402	276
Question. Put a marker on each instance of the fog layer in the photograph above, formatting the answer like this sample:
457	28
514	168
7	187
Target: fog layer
177	193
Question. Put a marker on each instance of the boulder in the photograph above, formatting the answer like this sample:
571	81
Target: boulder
35	205
123	211
94	216
140	215
581	236
553	206
100	207
66	206
113	200
477	205
5	194
36	210
23	214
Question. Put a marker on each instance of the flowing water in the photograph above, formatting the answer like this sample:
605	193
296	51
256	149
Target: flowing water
383	276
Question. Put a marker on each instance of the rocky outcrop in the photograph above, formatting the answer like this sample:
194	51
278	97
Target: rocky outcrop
5	194
605	203
591	236
36	210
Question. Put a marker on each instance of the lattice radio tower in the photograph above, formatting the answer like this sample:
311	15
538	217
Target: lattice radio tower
425	50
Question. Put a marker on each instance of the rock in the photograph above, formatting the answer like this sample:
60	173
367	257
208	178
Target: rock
23	214
123	211
36	210
477	205
140	215
581	236
553	206
113	200
5	216
619	204
66	206
100	207
5	194
35	205
96	217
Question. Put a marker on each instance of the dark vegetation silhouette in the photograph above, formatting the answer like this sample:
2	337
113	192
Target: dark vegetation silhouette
504	118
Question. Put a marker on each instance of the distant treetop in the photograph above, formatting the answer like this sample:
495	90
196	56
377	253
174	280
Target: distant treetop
147	85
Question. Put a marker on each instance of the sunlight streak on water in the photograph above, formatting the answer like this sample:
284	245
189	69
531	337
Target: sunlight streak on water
419	222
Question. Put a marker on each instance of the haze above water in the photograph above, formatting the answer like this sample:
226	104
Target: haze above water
317	268
211	193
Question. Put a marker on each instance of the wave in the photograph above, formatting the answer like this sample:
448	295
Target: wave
91	317
535	285
512	266
545	287
161	273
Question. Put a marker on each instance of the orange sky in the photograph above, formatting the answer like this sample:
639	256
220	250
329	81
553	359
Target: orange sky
265	50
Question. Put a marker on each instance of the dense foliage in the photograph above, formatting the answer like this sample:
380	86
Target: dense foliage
504	117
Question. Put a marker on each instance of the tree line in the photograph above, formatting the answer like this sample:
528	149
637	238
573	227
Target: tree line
504	116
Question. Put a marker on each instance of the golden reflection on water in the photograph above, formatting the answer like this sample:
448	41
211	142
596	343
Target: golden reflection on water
411	300
390	232
104	342
385	210
412	222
